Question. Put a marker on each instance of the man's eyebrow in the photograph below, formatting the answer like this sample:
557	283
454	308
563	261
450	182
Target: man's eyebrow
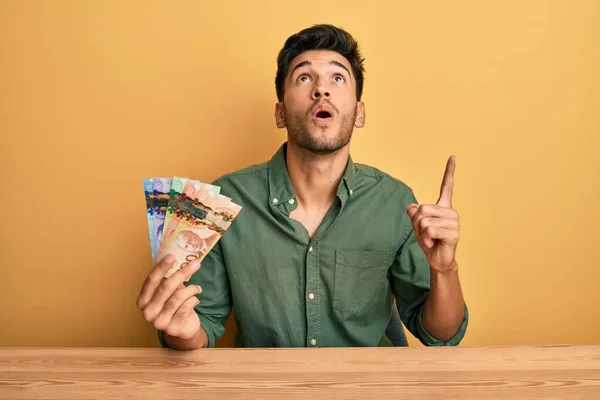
339	64
300	65
332	62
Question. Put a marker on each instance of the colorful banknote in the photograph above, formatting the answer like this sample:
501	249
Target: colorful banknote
192	189
149	194
201	226
177	186
186	218
161	188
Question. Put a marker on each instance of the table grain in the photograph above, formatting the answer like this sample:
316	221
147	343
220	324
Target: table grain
503	372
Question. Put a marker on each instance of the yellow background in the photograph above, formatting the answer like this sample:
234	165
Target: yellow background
96	95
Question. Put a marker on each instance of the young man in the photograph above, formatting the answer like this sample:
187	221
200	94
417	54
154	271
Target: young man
321	244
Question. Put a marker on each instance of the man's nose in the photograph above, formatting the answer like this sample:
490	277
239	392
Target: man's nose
320	92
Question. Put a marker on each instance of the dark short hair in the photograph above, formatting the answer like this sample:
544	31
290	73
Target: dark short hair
320	37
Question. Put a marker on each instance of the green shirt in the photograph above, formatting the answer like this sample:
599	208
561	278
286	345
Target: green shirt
334	289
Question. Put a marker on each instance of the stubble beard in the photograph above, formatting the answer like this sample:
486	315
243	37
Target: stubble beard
299	135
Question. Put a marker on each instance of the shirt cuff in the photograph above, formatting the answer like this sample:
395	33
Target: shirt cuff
213	330
429	340
161	339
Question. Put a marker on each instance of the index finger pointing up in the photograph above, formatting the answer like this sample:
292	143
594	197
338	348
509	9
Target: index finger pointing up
445	199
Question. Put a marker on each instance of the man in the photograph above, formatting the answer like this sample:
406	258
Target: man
321	244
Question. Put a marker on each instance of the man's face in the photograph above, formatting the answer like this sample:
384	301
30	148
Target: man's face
319	108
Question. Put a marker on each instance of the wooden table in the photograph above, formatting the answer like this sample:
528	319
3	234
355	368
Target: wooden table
542	372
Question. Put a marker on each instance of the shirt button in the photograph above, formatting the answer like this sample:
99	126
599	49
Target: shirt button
275	201
351	192
313	342
291	201
311	296
310	249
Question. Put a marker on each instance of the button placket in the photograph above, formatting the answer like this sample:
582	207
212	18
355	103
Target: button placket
312	306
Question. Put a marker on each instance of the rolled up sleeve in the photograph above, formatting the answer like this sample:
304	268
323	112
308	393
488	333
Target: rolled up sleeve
428	340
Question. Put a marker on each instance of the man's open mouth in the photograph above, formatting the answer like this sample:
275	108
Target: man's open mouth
323	114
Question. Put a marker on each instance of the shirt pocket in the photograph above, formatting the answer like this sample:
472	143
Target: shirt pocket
360	277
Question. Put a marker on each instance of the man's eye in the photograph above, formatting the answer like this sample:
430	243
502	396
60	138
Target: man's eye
303	78
339	79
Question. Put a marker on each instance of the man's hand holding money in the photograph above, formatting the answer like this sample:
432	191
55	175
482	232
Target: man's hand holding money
168	304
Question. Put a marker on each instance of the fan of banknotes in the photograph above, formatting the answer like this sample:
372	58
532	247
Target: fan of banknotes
186	218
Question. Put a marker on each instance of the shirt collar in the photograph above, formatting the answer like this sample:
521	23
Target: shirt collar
280	186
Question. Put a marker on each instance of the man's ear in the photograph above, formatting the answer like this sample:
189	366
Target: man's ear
361	115
279	115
